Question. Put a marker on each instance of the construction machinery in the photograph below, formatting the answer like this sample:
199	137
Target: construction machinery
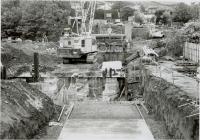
76	46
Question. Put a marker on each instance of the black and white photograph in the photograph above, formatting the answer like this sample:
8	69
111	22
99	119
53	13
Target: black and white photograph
100	70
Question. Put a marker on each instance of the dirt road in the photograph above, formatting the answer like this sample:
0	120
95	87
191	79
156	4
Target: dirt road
167	71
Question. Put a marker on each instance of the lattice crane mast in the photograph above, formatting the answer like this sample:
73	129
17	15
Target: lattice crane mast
85	13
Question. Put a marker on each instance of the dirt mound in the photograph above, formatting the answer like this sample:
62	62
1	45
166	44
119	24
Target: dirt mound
24	110
11	56
18	59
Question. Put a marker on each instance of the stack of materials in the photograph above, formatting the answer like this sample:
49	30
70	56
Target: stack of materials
111	89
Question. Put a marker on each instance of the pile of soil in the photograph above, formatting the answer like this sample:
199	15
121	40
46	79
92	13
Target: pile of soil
24	110
11	56
17	60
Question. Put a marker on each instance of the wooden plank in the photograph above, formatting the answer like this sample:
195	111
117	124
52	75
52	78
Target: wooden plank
61	113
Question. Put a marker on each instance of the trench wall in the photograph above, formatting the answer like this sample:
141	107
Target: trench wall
162	99
24	110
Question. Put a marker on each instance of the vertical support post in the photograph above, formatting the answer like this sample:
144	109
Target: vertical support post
126	86
4	73
110	72
172	75
160	73
36	67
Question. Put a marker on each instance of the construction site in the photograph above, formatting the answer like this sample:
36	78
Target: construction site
108	78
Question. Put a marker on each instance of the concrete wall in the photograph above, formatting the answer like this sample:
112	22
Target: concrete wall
128	28
192	51
163	99
110	56
96	86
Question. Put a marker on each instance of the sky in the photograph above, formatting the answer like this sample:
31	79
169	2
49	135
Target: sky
185	1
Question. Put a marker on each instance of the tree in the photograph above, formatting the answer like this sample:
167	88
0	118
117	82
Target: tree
126	12
182	13
33	19
139	17
159	16
163	17
124	9
166	18
118	5
99	14
142	8
195	11
10	18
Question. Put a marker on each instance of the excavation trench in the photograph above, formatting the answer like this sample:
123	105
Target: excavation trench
161	98
169	104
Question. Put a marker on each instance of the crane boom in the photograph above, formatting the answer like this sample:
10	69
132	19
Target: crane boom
92	16
86	15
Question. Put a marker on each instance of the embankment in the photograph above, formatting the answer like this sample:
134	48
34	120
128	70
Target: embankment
18	58
24	110
163	99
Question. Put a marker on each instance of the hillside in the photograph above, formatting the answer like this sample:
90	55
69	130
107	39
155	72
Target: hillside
160	5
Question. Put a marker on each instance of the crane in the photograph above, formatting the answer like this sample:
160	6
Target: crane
84	10
75	47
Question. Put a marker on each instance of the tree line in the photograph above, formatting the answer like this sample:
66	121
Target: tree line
182	13
34	19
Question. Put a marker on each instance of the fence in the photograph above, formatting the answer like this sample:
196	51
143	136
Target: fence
191	51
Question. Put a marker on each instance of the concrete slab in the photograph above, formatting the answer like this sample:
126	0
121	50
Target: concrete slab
104	110
105	121
105	129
